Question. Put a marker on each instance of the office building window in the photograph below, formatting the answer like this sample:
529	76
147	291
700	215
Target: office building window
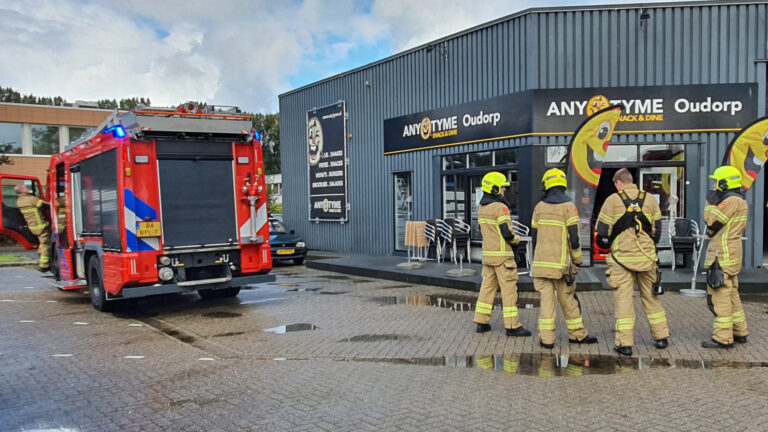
10	138
45	139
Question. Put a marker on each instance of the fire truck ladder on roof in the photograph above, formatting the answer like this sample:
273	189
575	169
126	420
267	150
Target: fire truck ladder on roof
142	120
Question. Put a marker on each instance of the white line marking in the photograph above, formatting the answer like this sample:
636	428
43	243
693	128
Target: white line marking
51	301
19	276
27	321
133	357
205	359
63	355
8	301
80	323
29	287
135	325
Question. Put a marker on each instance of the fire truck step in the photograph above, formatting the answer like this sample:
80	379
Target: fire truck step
71	285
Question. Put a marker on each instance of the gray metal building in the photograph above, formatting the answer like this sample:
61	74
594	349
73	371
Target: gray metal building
541	66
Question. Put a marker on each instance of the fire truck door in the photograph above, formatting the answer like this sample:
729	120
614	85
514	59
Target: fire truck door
13	223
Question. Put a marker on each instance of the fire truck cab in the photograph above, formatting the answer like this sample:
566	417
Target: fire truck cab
155	201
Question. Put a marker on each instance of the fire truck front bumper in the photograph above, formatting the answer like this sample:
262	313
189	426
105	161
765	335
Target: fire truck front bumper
185	287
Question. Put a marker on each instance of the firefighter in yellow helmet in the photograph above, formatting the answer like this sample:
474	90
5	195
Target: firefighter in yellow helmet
556	257
629	224
726	217
499	267
31	207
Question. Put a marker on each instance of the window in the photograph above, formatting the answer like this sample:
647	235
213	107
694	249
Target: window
76	132
10	138
9	194
481	159
403	205
507	156
45	139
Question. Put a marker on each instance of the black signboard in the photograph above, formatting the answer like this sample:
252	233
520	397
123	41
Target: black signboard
497	118
653	109
327	162
649	109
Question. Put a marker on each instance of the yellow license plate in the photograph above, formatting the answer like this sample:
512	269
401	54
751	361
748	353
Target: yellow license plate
148	229
285	251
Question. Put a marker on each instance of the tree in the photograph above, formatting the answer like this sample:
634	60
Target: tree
268	125
5	148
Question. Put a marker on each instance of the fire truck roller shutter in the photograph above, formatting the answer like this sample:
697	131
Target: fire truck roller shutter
196	198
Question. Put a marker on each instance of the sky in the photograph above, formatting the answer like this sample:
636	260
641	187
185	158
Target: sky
224	52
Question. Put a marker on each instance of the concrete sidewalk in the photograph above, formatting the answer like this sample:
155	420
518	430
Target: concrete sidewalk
432	273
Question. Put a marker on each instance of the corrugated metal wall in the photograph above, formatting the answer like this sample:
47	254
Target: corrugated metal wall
700	43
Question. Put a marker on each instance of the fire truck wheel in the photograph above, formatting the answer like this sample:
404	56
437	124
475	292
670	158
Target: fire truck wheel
96	286
55	263
208	294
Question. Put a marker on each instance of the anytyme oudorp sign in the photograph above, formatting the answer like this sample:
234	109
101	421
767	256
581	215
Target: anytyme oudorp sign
326	157
652	109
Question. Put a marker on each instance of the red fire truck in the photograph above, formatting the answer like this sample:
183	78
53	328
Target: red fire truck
155	201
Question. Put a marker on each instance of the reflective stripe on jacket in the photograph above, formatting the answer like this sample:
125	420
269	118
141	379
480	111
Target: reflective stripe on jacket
726	243
496	249
551	222
29	205
636	251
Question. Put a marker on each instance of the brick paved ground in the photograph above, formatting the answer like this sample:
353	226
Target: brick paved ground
180	363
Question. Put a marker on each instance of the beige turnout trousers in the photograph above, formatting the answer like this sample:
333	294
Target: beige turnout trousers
548	288
623	282
503	276
725	303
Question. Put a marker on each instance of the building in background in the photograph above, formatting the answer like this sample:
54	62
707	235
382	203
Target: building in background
275	188
410	136
34	132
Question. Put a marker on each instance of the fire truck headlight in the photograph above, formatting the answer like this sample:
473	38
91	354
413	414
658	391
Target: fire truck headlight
164	260
165	273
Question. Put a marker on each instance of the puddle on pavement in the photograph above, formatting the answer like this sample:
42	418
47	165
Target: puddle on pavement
336	277
228	334
304	289
286	285
222	314
551	365
177	335
290	328
452	302
375	338
333	292
395	286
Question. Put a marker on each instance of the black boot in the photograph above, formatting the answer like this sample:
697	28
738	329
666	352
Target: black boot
547	346
482	328
623	350
586	340
715	344
740	339
520	331
661	343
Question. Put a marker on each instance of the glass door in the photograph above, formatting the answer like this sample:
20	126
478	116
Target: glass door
403	205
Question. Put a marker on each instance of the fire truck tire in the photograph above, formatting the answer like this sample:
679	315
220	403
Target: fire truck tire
55	269
207	294
219	293
96	286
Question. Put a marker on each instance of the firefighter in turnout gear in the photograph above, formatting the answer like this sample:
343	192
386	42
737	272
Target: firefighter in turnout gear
726	217
556	257
31	207
499	267
629	224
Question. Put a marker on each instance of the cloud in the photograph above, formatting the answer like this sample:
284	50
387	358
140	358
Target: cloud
228	52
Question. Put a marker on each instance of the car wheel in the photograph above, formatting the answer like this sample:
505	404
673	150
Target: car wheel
229	292
96	286
208	294
298	261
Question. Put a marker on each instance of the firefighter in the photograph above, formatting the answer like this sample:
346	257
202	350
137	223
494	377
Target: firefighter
31	207
629	224
556	257
499	267
726	217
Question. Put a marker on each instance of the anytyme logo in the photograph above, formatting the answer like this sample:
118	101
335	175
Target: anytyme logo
314	140
596	104
426	128
326	205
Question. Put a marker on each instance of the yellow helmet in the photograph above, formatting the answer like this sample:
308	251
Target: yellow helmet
727	177
493	182
554	177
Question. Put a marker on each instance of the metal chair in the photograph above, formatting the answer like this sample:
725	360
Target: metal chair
525	243
458	231
684	239
432	233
